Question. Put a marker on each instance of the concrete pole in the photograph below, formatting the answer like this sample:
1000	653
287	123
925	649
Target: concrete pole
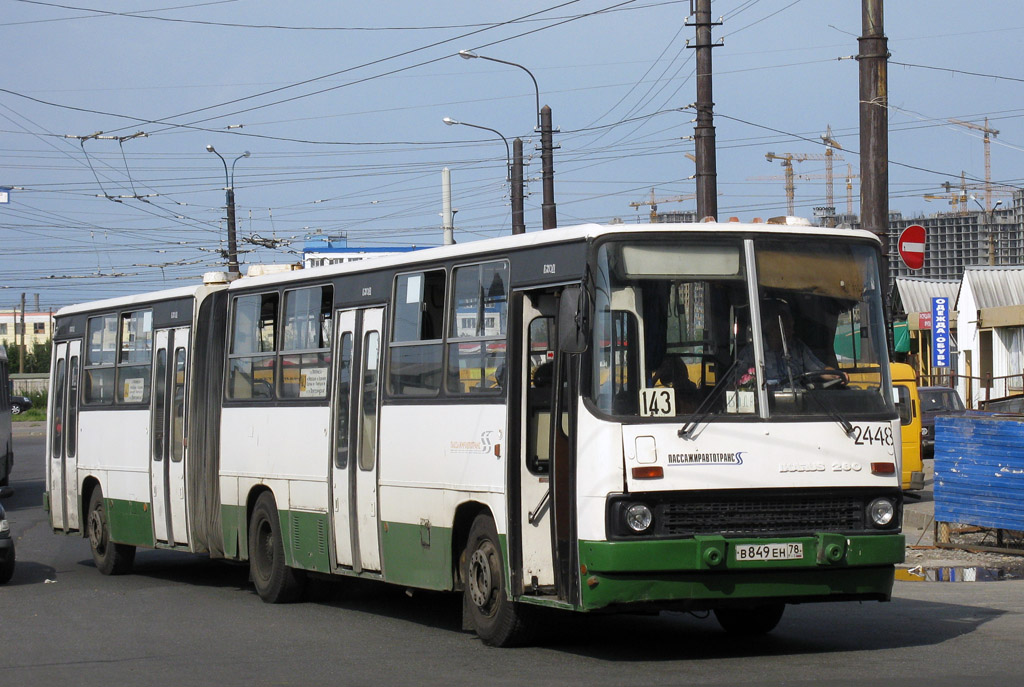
518	223
21	349
232	243
447	216
547	158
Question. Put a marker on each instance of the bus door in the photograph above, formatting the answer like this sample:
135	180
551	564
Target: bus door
542	438
356	406
63	436
167	452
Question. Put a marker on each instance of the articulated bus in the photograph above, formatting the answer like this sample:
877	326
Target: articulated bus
581	419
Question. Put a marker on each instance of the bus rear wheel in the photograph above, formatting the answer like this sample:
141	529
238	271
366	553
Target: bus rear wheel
750	622
275	582
496	619
110	558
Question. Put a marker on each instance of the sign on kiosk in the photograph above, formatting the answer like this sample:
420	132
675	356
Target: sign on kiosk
940	331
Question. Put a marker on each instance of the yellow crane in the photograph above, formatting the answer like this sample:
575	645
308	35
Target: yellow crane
850	176
830	144
653	202
987	131
957	199
787	167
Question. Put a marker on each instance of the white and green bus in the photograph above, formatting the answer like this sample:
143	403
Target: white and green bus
584	418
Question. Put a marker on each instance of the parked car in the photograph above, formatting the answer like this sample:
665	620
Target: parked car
936	400
19	404
6	548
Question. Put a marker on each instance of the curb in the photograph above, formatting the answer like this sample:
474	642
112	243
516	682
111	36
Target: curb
28	429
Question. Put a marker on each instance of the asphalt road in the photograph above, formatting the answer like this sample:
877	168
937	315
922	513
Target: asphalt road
186	620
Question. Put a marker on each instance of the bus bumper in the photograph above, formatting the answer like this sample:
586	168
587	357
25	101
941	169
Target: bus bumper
704	572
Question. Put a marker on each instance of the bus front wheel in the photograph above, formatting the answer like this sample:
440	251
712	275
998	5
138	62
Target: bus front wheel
496	619
275	582
750	622
110	558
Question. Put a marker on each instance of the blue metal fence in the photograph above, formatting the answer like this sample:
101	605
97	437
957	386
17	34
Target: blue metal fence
979	470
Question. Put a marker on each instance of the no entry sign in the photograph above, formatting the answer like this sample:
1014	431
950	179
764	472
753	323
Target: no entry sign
911	246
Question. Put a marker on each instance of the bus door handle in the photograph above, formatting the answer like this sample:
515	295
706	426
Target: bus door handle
534	514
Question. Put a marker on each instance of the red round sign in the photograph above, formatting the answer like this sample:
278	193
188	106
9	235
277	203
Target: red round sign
911	246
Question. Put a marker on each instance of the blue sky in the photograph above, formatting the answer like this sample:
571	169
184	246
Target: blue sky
341	106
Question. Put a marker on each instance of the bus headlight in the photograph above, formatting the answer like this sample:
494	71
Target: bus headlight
881	512
638	517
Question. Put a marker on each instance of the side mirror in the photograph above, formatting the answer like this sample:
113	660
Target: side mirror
573	320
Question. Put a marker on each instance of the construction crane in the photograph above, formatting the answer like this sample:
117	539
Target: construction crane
653	202
830	143
850	176
787	166
957	199
988	154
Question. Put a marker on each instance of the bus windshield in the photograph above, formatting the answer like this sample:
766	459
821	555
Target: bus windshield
675	333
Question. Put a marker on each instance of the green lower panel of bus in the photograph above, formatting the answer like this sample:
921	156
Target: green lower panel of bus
417	555
413	555
304	536
130	522
713	568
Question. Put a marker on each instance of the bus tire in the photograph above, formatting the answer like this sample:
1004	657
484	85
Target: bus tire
110	558
750	622
275	582
496	619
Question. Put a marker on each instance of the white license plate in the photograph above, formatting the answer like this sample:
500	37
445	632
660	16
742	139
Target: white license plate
788	551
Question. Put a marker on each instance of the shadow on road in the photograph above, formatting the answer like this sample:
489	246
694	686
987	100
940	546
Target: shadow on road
806	629
27	494
30	572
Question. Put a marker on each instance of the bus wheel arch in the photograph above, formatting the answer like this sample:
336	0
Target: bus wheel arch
84	499
487	608
465	515
274	580
110	558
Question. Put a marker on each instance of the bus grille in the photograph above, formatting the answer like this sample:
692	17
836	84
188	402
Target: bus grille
766	514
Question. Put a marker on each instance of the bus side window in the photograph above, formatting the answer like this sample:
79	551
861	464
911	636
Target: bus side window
416	351
251	357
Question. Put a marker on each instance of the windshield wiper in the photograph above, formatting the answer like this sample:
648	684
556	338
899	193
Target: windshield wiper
704	409
829	409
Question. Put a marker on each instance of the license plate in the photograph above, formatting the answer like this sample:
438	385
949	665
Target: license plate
788	551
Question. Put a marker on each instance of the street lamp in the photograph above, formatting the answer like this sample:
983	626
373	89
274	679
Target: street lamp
229	189
989	225
548	214
514	174
470	55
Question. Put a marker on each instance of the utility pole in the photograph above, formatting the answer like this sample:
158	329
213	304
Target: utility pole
21	348
229	199
874	134
518	223
547	159
704	131
447	214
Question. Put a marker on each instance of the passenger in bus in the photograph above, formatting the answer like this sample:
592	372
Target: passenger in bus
673	373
